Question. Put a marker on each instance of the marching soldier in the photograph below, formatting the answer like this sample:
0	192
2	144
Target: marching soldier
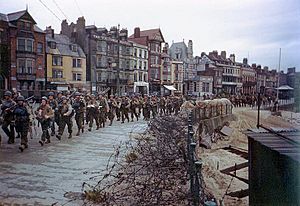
146	108
79	107
112	104
154	105
125	105
22	121
54	105
118	108
103	109
162	106
92	112
44	113
8	117
66	112
133	108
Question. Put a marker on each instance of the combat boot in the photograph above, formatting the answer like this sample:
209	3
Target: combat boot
97	128
82	129
52	133
42	142
47	141
22	147
70	136
10	141
78	133
58	137
89	129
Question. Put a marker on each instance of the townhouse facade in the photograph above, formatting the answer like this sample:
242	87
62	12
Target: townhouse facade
153	39
65	63
26	41
4	52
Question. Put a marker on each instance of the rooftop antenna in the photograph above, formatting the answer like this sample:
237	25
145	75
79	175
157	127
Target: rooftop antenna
26	7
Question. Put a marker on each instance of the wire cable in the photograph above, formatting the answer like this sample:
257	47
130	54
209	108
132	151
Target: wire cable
49	10
78	7
61	10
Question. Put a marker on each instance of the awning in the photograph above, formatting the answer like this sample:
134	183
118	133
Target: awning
285	87
171	88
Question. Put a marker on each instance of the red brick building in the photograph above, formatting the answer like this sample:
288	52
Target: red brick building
4	52
27	52
153	39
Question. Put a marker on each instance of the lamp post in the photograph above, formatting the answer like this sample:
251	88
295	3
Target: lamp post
118	62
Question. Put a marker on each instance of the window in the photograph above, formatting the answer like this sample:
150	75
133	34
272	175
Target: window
77	63
140	77
135	52
146	55
21	44
29	66
29	45
135	77
140	64
76	77
145	65
28	26
152	60
140	53
40	48
57	73
145	77
57	61
52	44
74	48
21	66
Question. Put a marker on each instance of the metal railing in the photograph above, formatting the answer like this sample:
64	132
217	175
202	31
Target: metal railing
194	165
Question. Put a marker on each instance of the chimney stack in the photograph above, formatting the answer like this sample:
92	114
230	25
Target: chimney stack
50	31
232	58
137	32
245	61
223	54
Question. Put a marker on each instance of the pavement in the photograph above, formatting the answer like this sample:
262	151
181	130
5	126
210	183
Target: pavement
42	175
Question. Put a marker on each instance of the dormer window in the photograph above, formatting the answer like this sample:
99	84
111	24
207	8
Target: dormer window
25	25
74	48
51	44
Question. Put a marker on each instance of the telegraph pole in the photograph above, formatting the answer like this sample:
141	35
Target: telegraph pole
118	62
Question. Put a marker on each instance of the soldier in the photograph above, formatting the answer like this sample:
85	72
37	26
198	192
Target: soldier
79	107
169	105
162	106
118	108
103	109
66	112
8	117
125	105
22	121
44	114
146	108
154	106
133	108
54	105
112	104
92	112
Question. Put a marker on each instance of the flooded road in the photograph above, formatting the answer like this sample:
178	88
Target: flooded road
42	175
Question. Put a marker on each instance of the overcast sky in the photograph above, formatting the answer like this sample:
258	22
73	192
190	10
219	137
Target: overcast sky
247	28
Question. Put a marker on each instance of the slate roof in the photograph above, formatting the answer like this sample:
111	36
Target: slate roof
63	48
3	17
150	33
179	46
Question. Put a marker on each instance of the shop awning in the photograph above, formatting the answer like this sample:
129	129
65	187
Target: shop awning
169	87
285	87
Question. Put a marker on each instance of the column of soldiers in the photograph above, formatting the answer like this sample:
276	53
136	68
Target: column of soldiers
55	112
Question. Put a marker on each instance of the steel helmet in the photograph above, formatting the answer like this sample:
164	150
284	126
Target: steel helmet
20	98
8	93
44	98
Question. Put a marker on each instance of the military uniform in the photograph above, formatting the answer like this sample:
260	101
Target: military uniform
162	106
22	122
133	108
146	109
92	113
103	108
79	107
118	108
65	111
8	117
112	104
125	105
54	105
154	106
43	114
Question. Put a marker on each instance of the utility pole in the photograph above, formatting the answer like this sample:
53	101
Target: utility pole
277	96
118	62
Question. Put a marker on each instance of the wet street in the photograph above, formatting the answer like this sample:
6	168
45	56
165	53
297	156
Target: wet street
42	175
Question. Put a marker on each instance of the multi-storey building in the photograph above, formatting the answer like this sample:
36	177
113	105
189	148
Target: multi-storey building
248	78
177	75
179	51
4	52
27	52
152	38
139	61
66	63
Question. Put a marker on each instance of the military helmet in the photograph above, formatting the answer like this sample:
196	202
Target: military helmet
8	93
63	98
51	94
59	92
20	98
44	98
77	94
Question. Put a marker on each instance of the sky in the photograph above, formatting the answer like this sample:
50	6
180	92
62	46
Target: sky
255	29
